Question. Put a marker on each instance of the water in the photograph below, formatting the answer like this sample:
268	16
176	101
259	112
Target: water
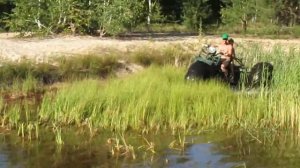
3	159
207	151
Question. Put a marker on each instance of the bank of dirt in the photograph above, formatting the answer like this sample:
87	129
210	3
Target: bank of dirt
41	50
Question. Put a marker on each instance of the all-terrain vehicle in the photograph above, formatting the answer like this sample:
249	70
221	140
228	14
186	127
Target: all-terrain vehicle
207	65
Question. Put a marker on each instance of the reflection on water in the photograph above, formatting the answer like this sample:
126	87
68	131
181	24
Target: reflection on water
3	159
207	151
201	155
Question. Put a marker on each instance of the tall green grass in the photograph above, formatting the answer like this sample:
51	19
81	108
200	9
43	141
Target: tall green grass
59	69
101	65
285	60
154	99
158	99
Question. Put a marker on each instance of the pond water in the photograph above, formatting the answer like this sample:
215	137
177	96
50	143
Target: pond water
206	150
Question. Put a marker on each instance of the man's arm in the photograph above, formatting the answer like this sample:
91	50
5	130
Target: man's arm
233	53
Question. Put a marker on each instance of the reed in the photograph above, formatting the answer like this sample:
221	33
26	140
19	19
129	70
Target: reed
29	73
175	54
159	99
76	67
58	135
119	147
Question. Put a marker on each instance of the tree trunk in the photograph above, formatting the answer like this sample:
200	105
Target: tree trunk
244	23
38	17
149	12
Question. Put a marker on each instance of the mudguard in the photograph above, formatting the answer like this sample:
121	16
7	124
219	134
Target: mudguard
216	60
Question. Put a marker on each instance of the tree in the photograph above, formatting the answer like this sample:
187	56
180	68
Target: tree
6	7
239	11
288	12
27	15
111	16
273	12
77	16
154	11
216	6
243	11
172	10
195	13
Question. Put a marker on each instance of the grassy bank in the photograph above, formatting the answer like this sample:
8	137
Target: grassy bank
159	99
74	67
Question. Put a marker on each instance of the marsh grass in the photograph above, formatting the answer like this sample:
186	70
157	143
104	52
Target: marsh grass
175	54
59	69
158	99
86	66
77	67
120	148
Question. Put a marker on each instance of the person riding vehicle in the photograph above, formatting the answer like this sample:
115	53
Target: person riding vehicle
226	51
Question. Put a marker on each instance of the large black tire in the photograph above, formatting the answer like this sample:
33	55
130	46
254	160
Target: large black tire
198	71
260	75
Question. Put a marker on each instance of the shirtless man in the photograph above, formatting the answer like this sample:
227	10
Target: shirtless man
226	51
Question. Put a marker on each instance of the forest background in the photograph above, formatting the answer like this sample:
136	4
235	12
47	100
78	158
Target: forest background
116	17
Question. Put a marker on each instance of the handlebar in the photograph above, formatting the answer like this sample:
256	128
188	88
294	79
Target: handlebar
239	61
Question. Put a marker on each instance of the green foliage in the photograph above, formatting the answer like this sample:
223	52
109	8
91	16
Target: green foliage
244	11
77	67
47	16
288	12
158	98
239	10
161	28
253	12
172	10
73	68
113	16
68	15
5	9
54	16
155	15
29	15
195	12
161	56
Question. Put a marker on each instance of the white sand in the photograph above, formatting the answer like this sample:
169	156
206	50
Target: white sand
42	49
